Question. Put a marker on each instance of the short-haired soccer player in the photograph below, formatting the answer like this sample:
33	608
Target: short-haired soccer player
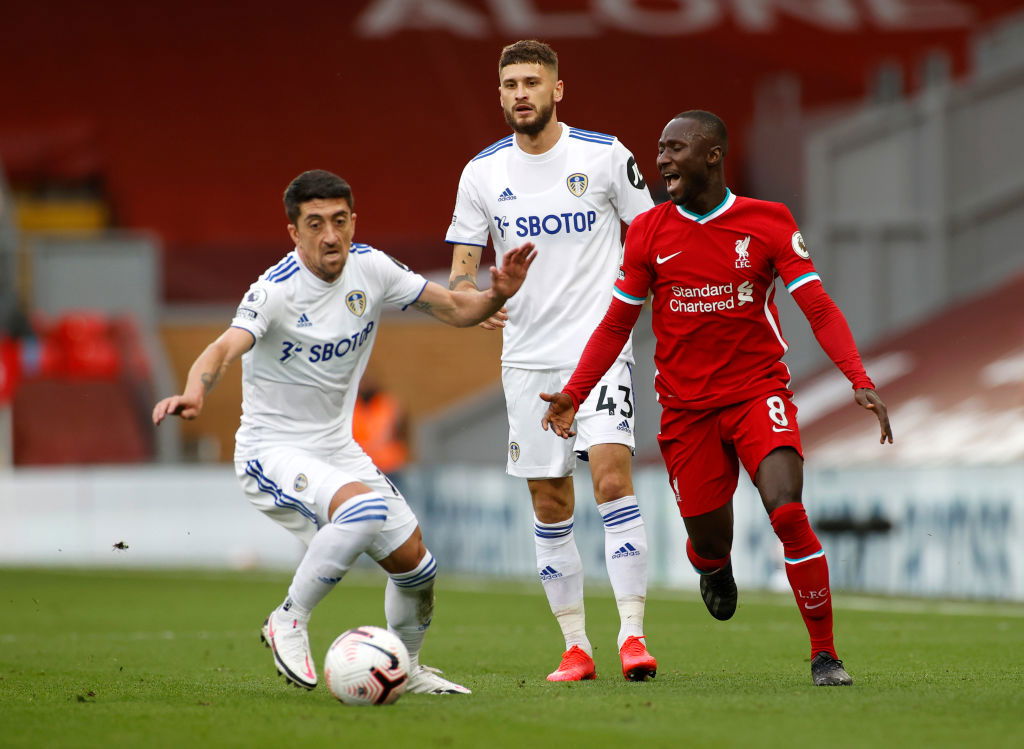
569	190
711	258
304	331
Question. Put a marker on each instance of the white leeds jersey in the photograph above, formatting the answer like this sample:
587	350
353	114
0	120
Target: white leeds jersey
313	341
570	202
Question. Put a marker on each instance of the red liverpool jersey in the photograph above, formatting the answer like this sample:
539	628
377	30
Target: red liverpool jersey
713	283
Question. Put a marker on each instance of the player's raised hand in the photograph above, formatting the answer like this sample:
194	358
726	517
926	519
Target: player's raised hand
177	405
868	398
506	280
560	414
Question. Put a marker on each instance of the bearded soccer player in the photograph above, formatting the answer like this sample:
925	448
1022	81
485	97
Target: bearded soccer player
304	331
569	190
711	258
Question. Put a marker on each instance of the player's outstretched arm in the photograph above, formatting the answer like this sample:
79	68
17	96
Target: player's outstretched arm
206	370
868	398
465	263
560	414
468	307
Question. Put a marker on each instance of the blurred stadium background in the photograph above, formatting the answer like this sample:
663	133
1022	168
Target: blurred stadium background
144	149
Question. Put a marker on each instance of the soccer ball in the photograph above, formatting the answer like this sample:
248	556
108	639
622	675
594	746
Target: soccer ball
366	666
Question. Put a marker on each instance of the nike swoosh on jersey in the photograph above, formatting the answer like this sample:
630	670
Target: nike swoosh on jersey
817	605
659	259
781	429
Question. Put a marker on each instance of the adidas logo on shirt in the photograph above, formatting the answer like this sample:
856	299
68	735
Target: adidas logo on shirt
549	573
507	194
624	427
628	550
304	322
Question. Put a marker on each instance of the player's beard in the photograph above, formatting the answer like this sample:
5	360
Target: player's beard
538	123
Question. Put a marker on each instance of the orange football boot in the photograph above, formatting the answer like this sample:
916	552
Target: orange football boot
576	665
637	663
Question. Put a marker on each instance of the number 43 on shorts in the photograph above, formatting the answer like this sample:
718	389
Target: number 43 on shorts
604	403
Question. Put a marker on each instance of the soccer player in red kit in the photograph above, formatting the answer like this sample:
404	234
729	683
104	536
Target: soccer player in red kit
711	258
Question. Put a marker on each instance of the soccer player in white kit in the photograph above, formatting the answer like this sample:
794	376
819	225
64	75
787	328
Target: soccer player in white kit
304	331
569	190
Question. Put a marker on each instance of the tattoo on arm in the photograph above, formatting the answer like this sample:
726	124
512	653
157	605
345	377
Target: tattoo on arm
459	279
209	379
423	306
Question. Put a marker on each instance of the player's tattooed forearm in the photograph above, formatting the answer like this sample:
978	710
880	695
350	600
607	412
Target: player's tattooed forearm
422	306
209	379
459	279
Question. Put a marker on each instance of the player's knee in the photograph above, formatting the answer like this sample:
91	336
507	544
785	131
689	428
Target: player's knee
362	513
711	548
612	486
780	497
550	507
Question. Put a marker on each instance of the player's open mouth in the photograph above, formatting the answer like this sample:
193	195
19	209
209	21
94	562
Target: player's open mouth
671	178
524	109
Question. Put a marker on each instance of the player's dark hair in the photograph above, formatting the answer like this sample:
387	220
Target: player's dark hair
711	124
528	51
316	184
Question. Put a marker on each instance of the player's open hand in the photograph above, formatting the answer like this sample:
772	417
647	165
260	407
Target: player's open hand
177	405
560	414
506	280
496	321
868	398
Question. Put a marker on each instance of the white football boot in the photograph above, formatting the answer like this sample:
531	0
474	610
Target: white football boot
427	680
288	639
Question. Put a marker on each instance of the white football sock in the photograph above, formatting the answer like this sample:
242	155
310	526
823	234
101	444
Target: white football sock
333	551
409	606
625	551
561	574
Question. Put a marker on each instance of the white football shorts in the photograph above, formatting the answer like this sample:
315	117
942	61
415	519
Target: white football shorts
295	488
606	417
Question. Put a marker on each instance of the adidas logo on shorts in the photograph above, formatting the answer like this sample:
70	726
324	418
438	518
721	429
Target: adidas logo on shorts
628	550
624	427
549	573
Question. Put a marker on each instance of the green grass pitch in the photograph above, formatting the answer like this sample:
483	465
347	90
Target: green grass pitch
105	658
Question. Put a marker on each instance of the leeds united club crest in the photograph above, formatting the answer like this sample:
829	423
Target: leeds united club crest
513	451
356	302
577	183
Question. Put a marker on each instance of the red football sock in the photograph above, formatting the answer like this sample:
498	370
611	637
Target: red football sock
807	571
702	565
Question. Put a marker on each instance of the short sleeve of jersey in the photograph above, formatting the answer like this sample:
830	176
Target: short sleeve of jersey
258	308
470	221
635	275
790	256
400	285
629	190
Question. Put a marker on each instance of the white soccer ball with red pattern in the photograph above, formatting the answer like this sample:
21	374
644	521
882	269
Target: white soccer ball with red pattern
366	666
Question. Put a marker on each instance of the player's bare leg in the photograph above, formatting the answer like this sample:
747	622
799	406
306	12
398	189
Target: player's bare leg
708	548
561	573
779	480
625	546
409	608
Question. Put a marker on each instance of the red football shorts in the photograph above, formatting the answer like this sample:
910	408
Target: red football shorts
703	449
